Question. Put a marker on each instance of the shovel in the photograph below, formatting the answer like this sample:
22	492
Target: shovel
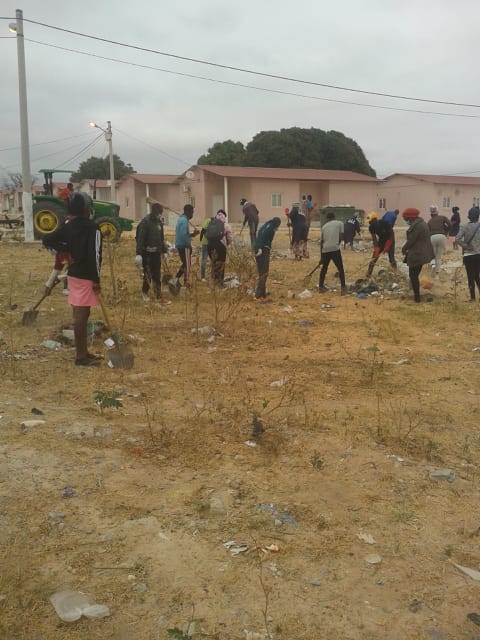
119	355
30	315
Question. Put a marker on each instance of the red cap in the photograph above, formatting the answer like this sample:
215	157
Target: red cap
410	213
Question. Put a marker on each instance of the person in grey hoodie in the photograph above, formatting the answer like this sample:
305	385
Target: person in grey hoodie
332	236
469	239
439	227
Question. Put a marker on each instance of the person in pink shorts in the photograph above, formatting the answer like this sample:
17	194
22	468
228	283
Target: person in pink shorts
82	239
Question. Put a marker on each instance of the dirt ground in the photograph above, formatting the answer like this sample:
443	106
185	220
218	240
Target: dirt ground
184	519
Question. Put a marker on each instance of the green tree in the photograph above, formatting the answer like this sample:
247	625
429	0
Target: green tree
306	148
227	153
99	168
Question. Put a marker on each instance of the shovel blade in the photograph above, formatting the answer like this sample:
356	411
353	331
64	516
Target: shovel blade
29	317
120	357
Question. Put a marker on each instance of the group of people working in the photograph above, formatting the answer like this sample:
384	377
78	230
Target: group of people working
79	242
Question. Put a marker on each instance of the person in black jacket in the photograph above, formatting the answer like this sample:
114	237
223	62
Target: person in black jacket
263	247
250	217
82	239
150	246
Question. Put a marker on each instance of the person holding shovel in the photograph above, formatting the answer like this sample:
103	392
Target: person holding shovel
82	239
151	245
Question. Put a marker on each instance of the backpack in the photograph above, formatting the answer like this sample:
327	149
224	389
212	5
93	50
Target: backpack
215	230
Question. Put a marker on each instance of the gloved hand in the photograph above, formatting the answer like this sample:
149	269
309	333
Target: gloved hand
138	261
259	253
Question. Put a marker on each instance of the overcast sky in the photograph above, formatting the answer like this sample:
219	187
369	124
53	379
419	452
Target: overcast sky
163	122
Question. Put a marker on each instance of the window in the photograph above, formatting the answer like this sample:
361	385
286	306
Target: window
276	199
476	201
382	203
192	201
126	202
446	203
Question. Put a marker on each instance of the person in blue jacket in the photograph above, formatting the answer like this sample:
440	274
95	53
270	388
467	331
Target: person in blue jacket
184	245
391	218
263	247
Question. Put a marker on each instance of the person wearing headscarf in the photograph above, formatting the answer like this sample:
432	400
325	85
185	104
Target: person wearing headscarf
219	236
417	249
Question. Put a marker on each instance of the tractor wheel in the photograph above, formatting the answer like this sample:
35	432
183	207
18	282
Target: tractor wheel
47	217
110	229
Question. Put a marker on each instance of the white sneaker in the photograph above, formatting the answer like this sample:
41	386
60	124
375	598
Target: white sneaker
145	297
65	292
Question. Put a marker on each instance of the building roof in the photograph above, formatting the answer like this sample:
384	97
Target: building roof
286	174
152	178
439	179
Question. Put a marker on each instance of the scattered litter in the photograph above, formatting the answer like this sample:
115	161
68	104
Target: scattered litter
27	424
255	635
68	334
235	548
394	286
325	305
204	330
304	294
402	361
250	443
476	349
475	618
373	559
290	294
316	583
270	548
72	605
257	427
279	383
306	323
394	457
109	343
51	344
69	492
234	283
471	573
280	518
361	295
443	474
37	412
426	284
211	339
365	537
472	392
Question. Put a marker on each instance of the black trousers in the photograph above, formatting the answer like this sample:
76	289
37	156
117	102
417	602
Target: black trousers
185	255
472	267
263	266
336	258
252	227
152	272
414	274
217	253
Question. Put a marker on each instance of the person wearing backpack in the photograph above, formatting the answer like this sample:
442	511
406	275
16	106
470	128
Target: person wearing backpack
469	239
204	246
219	235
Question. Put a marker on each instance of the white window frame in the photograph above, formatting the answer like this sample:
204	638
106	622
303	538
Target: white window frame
382	203
476	201
276	200
446	202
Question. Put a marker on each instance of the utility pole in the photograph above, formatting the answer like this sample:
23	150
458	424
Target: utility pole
108	138
25	145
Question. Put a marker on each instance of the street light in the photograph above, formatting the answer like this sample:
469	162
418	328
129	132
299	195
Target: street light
17	28
108	138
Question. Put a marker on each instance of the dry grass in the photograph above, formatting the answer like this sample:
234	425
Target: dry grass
350	436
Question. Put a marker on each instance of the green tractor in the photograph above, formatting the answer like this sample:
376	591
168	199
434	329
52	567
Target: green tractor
49	211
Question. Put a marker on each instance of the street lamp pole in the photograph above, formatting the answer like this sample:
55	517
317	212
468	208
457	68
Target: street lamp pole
108	138
25	146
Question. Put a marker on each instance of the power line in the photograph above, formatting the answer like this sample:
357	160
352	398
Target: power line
250	71
188	164
39	144
247	86
89	145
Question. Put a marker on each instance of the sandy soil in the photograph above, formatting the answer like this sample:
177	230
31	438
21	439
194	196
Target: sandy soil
341	530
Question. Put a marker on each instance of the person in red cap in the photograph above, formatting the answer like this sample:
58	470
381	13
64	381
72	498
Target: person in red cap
417	249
